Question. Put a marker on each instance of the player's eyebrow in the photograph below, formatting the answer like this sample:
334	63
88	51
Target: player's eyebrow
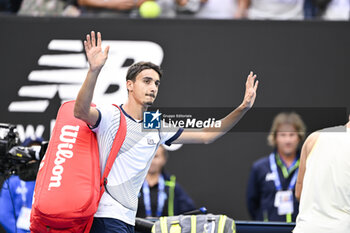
146	78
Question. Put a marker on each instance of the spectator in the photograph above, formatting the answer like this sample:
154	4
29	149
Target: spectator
16	203
49	8
272	178
16	196
330	9
323	183
118	8
160	195
124	8
217	9
266	9
337	10
10	6
189	6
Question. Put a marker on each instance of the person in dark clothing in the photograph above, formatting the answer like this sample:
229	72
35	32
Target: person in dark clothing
271	185
10	6
160	195
16	195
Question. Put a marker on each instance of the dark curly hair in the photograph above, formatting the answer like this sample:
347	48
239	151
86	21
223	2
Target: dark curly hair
137	68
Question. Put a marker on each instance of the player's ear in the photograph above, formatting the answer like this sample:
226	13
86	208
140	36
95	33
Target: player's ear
129	85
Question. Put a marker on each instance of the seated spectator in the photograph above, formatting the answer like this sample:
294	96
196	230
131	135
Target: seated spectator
123	8
16	196
9	6
329	9
217	9
337	10
160	194
266	9
108	8
189	6
272	179
49	8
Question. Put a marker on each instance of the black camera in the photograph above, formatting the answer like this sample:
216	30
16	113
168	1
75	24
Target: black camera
16	159
8	138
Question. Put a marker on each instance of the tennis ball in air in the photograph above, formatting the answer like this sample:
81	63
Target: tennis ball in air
149	9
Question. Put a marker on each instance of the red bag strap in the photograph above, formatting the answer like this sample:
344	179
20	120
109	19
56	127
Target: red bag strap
117	143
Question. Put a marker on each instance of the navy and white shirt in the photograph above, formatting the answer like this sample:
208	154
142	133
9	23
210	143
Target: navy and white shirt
131	165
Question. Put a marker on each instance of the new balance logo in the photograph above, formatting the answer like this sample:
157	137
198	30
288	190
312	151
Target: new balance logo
65	73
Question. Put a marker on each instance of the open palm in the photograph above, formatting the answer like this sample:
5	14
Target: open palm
96	57
250	90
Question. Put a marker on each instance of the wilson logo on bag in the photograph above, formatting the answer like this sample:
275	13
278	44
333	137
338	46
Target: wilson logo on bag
68	137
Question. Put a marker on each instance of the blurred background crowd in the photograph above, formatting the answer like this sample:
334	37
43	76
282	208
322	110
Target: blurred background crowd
214	9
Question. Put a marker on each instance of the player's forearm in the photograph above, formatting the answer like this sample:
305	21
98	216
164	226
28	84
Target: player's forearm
95	3
85	95
298	188
108	4
243	4
227	123
242	7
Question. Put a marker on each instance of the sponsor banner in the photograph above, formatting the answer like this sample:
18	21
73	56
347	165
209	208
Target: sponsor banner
205	64
256	120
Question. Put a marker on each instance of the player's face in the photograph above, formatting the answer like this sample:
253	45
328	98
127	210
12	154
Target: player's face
158	162
287	139
145	87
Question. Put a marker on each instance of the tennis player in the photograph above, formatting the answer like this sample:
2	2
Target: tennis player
118	205
323	184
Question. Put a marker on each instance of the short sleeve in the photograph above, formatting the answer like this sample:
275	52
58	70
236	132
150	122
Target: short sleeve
97	122
107	115
170	136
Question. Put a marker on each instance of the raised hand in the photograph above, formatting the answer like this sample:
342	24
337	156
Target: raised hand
96	57
250	91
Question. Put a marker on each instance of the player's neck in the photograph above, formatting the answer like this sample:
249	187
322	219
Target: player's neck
288	159
152	179
134	109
